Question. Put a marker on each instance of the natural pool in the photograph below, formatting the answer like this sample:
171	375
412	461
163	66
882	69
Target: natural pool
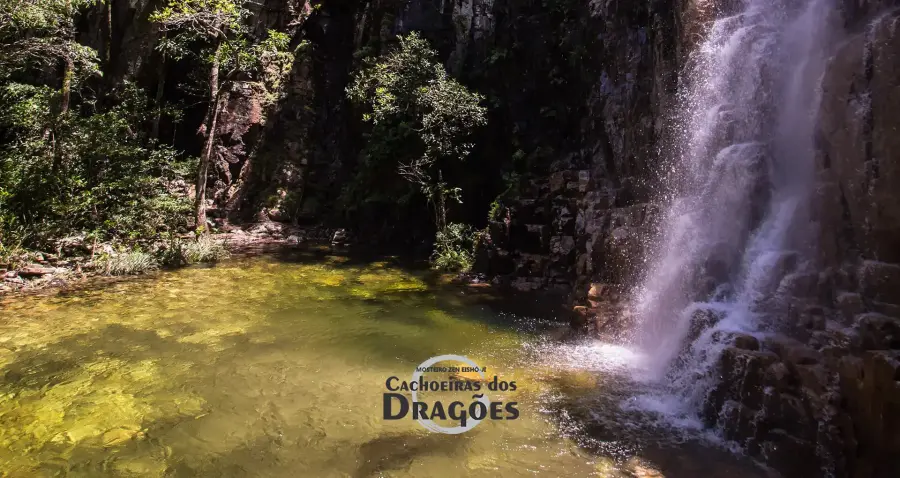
271	367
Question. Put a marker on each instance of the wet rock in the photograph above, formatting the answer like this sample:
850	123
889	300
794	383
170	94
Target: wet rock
526	284
891	310
883	372
743	379
581	315
14	280
794	456
880	281
877	331
562	245
787	411
601	292
792	351
277	214
35	270
118	436
849	305
813	378
812	318
703	319
799	285
778	377
340	237
530	238
745	342
738	421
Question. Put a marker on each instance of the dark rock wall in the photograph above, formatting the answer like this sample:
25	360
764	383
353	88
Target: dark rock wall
580	215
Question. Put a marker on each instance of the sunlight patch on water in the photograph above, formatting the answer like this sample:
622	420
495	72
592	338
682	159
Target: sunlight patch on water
265	368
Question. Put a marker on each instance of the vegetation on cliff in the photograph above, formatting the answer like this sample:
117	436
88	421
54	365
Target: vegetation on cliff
422	123
74	160
84	159
228	53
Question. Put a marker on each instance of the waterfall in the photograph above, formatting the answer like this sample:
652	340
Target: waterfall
741	171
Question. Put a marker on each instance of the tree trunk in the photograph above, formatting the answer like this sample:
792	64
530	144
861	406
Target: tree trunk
65	98
441	204
160	91
107	51
69	72
67	86
206	156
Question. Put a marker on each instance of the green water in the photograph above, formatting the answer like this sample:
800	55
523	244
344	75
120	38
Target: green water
265	367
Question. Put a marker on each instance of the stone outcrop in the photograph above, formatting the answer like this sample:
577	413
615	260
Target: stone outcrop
584	220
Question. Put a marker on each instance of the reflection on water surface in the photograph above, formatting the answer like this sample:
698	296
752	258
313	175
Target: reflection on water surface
263	367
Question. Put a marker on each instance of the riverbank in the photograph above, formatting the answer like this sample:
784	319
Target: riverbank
78	264
32	272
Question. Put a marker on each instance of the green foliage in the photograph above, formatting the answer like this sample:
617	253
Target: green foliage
203	248
495	213
216	26
422	121
11	255
409	89
268	61
41	33
92	173
127	263
196	19
454	248
217	23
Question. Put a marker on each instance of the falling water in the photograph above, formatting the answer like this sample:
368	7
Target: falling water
741	174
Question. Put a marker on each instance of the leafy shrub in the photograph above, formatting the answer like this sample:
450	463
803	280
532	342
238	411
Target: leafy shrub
127	263
421	125
454	248
74	172
203	249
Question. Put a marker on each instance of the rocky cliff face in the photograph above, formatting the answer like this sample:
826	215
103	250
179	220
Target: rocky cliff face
823	393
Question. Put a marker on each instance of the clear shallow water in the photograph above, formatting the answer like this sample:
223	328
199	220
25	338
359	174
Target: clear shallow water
262	367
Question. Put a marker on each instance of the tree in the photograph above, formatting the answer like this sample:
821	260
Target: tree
213	21
421	118
69	164
41	34
230	55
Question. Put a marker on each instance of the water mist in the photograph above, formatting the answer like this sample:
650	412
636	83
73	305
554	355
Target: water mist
741	173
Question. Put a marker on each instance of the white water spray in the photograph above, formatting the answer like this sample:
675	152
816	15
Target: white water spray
742	176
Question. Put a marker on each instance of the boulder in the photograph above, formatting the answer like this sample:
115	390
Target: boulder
849	305
791	455
701	320
880	281
35	270
743	377
14	280
877	331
